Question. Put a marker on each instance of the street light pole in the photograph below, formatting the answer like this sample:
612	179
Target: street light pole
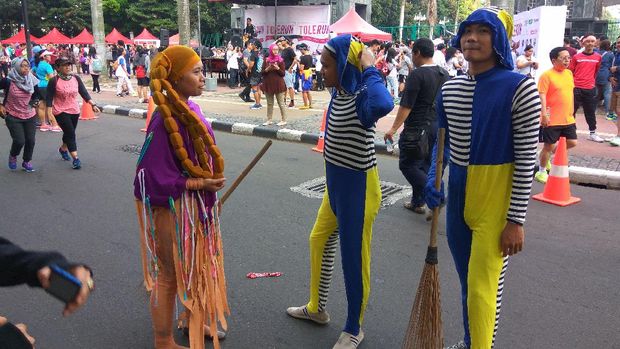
402	21
275	30
26	28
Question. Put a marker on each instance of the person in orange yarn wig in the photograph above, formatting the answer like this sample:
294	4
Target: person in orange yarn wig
179	172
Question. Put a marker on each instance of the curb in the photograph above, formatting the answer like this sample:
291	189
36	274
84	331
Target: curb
578	175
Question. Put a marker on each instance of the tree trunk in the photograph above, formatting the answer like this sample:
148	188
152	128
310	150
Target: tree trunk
183	21
96	10
431	15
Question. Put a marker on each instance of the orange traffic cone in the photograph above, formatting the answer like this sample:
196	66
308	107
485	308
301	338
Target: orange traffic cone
149	113
87	112
557	189
321	143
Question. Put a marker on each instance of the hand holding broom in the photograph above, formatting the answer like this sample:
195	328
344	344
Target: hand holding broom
425	328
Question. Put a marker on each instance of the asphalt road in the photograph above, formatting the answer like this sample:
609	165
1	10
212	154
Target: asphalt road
563	291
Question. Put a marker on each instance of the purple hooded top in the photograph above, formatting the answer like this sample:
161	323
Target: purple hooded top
164	177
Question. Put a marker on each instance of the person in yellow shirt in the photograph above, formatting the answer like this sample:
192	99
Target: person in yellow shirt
556	120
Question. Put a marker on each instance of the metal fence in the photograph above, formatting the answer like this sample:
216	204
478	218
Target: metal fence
421	30
613	29
212	39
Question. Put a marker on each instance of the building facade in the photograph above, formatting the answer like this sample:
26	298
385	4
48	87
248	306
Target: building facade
582	16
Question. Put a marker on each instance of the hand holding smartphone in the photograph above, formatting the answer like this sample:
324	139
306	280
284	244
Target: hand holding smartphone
63	285
71	288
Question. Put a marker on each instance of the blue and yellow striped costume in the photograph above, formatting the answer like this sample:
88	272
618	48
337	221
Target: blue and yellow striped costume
492	123
353	194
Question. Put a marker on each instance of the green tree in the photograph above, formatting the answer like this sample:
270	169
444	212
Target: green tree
151	14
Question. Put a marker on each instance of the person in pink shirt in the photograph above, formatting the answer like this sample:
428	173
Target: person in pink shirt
20	94
62	92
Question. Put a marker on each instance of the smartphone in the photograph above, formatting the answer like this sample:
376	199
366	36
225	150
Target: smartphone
63	285
12	338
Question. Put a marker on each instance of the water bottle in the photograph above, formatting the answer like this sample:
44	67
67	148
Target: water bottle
389	146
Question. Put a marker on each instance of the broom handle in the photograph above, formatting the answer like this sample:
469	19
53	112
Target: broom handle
438	174
246	171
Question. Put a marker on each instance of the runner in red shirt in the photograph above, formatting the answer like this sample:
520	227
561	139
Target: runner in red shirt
584	66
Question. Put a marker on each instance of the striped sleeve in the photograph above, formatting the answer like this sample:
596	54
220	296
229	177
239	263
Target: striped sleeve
525	128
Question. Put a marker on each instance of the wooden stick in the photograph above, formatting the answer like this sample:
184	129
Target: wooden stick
246	171
438	174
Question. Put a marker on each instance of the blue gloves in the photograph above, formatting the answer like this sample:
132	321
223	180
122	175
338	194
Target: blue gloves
432	197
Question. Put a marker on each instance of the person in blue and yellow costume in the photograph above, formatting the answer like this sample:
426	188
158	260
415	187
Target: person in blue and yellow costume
353	194
492	119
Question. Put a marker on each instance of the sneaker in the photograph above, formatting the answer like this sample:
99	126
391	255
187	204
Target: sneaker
282	123
45	128
321	318
548	165
612	117
459	345
291	105
255	107
27	166
615	142
267	123
595	138
304	107
56	129
64	154
349	341
12	163
541	177
77	164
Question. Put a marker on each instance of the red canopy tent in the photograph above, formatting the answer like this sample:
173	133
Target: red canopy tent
115	35
145	35
174	40
54	37
19	38
83	38
352	23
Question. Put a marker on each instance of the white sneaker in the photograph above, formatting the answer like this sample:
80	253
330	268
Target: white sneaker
268	123
282	123
349	341
595	138
321	318
459	345
615	142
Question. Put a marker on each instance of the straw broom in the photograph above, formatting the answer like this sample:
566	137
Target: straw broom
424	330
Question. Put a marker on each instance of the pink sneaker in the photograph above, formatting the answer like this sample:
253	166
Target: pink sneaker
45	128
56	129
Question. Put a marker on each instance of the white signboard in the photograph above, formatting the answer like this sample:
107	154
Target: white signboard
543	28
309	23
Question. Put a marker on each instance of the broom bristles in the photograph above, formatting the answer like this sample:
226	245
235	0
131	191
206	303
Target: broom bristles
425	328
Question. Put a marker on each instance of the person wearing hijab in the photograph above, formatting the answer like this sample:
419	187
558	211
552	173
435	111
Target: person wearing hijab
353	194
492	118
273	84
20	95
179	172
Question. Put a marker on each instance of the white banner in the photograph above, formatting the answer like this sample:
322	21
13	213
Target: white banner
309	23
543	28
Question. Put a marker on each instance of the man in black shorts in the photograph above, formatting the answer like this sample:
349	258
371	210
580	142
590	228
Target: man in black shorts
557	101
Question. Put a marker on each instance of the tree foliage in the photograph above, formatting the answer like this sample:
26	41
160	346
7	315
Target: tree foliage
71	16
386	13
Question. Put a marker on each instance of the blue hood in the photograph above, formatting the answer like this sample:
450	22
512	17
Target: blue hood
500	23
347	48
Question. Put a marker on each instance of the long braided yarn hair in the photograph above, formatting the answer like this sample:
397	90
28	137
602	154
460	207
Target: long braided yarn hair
167	67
